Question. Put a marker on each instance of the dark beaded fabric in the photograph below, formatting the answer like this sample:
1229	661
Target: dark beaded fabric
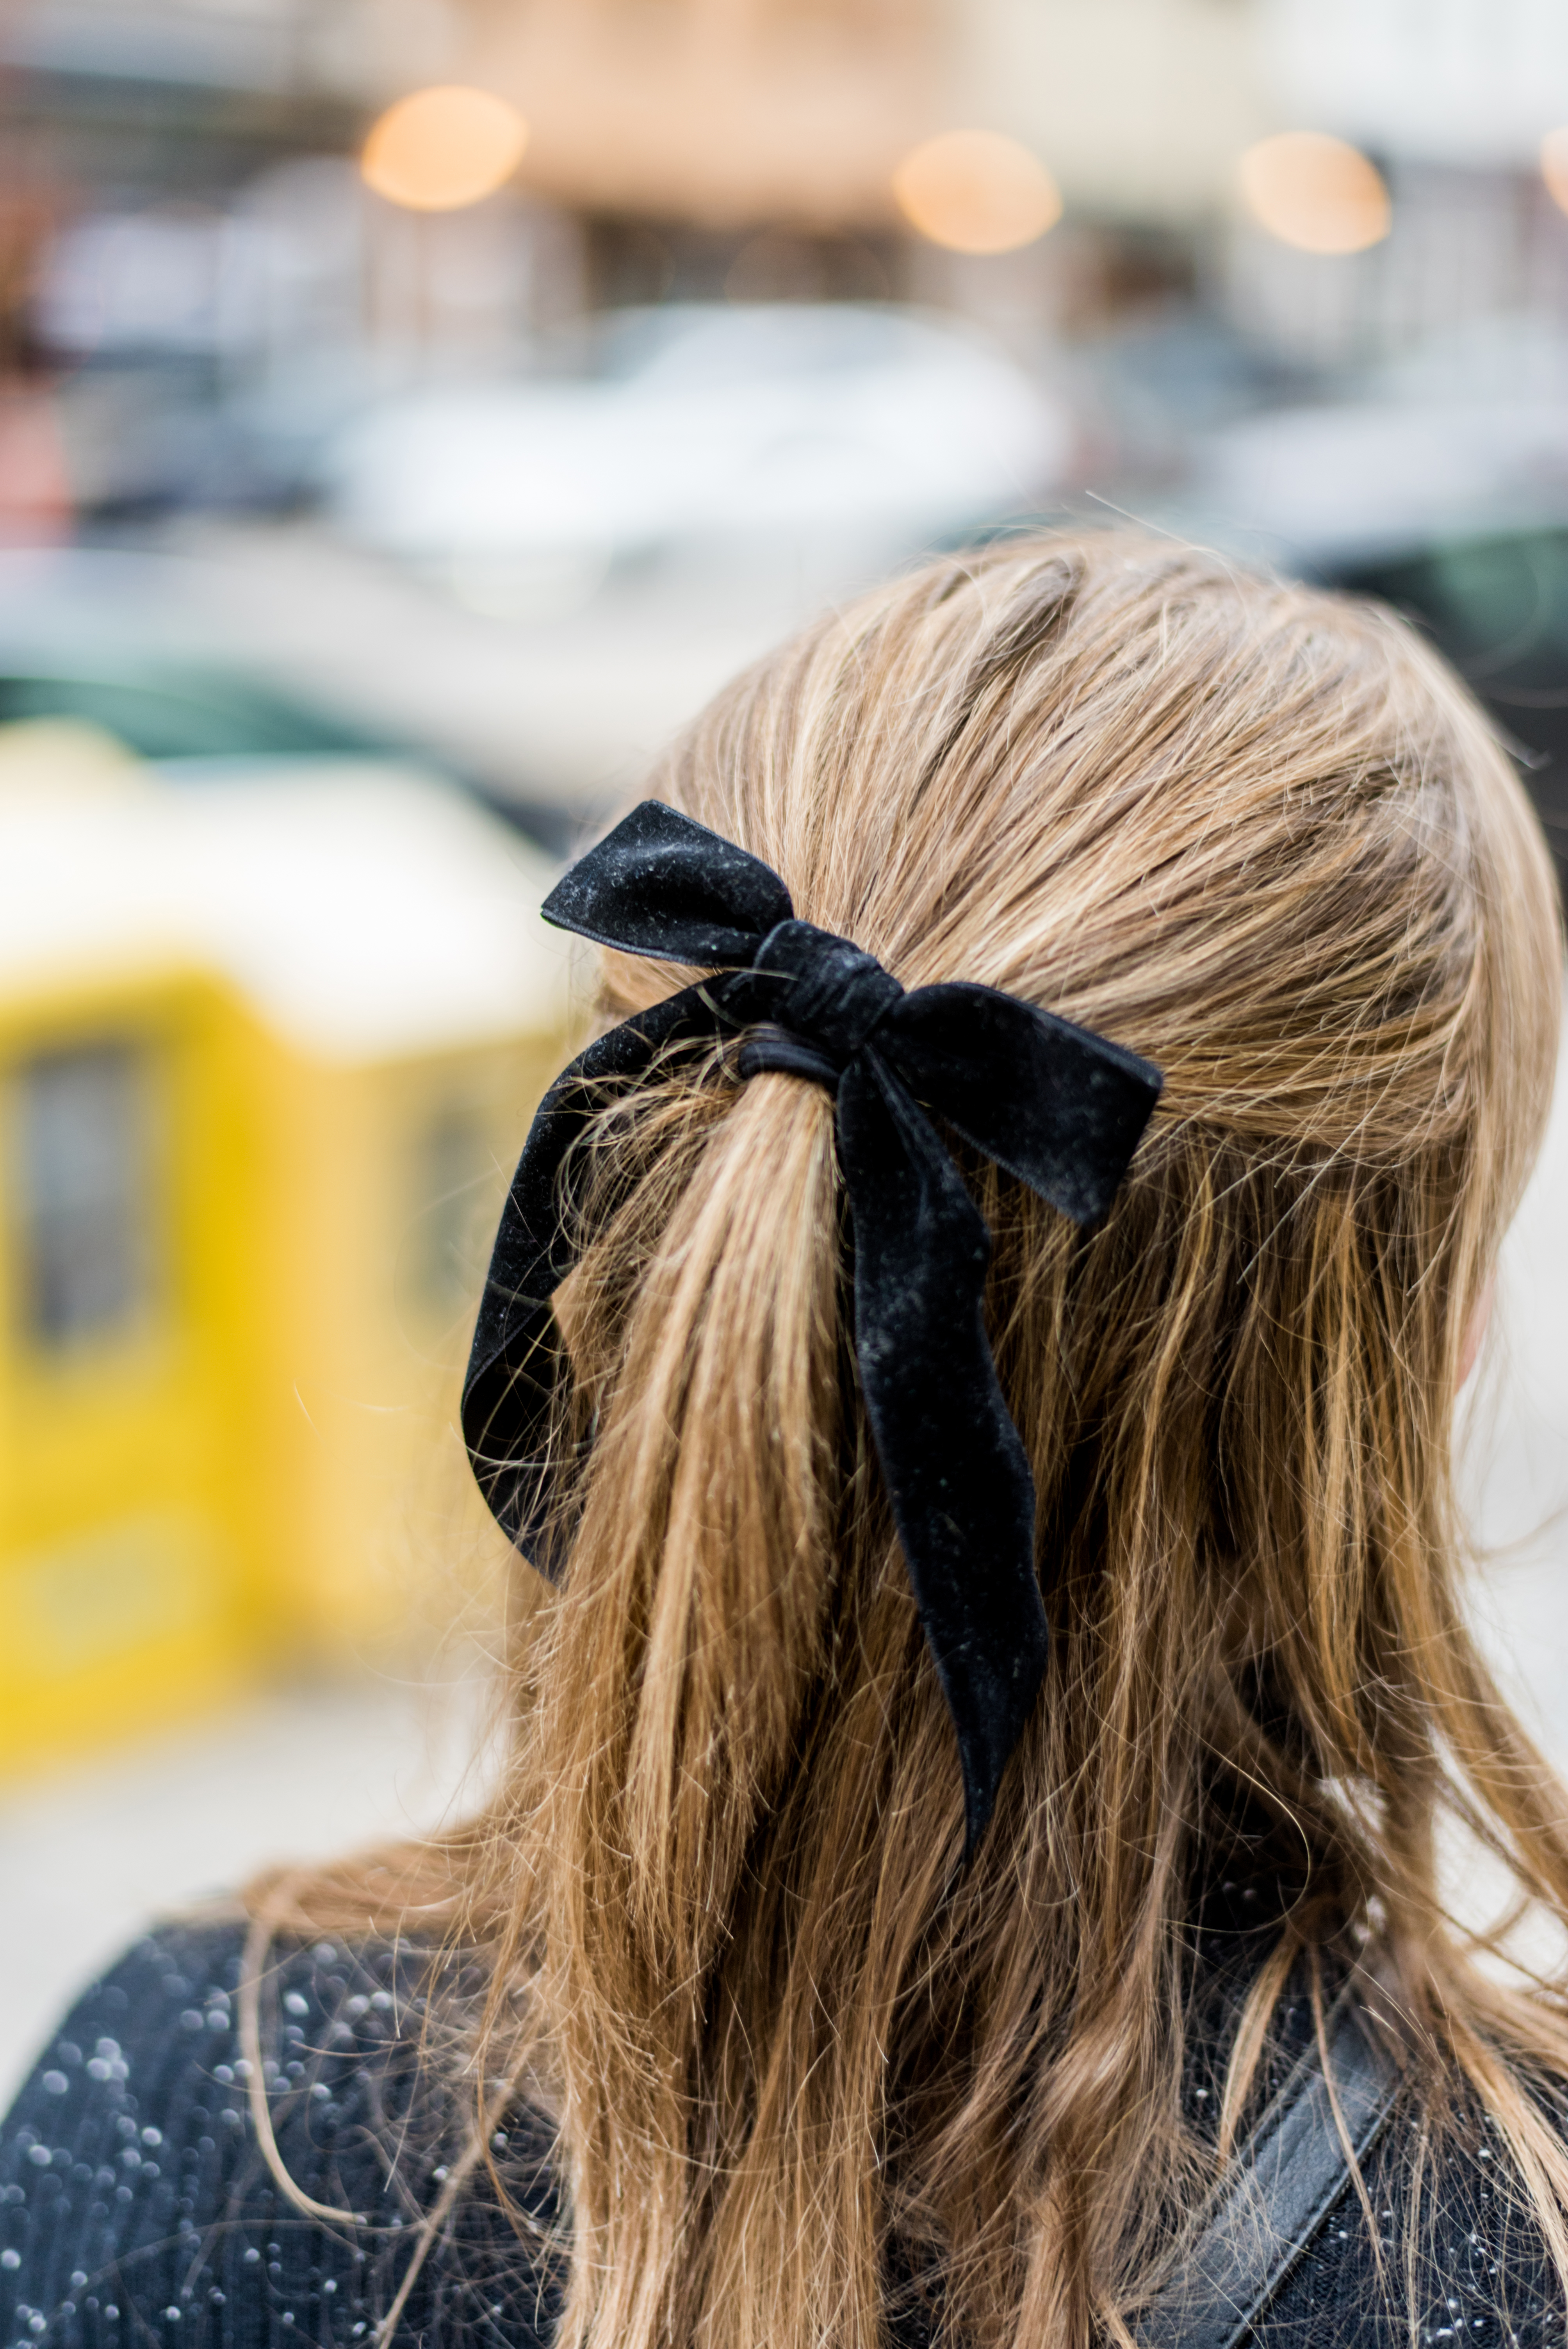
135	2207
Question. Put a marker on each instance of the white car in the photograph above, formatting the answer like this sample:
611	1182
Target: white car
800	424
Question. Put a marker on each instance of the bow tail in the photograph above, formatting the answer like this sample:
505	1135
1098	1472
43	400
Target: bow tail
955	1465
517	1365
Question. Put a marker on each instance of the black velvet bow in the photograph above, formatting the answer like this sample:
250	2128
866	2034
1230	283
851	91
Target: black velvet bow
1058	1108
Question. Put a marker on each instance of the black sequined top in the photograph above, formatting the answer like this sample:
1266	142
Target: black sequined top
135	2207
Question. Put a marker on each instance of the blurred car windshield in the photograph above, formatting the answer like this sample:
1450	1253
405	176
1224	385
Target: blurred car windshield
1497	606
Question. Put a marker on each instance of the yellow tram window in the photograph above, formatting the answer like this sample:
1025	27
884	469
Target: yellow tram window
454	1180
83	1183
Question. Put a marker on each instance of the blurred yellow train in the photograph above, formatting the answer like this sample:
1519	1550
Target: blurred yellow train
268	1049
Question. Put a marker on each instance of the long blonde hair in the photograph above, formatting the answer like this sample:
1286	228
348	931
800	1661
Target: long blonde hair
1259	834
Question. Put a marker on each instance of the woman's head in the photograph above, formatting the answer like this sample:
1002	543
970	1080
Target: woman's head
1261	836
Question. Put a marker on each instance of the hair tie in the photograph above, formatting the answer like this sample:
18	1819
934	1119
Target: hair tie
1060	1109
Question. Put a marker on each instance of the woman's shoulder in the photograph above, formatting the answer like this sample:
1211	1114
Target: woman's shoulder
136	2195
136	2201
1434	2246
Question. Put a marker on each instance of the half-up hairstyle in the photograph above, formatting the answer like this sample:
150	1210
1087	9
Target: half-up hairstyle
799	2059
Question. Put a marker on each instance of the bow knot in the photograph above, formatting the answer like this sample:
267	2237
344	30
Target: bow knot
837	992
1059	1109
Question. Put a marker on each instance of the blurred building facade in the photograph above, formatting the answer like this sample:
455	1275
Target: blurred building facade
1453	102
700	147
691	147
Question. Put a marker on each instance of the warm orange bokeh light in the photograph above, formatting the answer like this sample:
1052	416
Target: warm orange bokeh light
976	192
444	147
1554	166
1316	193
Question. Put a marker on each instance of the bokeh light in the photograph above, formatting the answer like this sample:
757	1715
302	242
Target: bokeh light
1315	192
1554	166
976	192
440	149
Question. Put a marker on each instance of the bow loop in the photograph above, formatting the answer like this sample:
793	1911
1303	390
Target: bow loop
1049	1103
1060	1109
660	884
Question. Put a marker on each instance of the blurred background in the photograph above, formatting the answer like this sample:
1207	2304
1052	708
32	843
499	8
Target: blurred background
409	411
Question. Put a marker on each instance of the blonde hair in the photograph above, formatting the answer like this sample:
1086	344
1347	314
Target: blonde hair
1259	834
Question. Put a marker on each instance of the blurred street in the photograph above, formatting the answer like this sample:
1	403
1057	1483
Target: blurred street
410	412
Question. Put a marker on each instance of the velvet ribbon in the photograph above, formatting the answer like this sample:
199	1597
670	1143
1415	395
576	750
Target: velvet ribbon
1060	1109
